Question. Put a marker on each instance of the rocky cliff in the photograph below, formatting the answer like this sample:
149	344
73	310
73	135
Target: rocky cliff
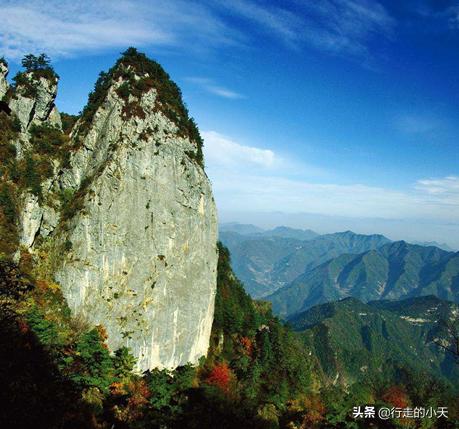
123	219
3	74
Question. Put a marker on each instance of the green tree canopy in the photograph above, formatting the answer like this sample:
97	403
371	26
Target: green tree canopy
33	63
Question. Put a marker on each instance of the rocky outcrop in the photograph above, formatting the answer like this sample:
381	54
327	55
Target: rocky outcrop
33	101
136	230
143	255
37	218
3	81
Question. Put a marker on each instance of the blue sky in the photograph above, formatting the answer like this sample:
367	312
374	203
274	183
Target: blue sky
340	110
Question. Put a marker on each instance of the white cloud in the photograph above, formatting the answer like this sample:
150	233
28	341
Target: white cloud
446	188
64	27
276	20
220	151
248	178
344	26
210	86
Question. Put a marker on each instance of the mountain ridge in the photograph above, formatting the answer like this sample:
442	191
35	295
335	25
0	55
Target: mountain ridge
364	340
265	264
395	270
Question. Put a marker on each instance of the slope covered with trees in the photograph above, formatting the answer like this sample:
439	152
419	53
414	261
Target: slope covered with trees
356	341
58	372
269	260
254	369
394	271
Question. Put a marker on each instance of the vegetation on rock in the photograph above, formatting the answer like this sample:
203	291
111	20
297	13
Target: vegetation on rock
139	74
36	67
68	121
257	365
9	175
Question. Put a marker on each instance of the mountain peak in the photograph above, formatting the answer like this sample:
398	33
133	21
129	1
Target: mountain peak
123	200
135	78
32	97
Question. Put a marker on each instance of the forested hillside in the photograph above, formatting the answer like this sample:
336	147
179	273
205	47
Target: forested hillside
394	271
57	372
268	261
357	342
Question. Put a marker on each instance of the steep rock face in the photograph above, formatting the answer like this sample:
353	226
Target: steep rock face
126	218
36	219
33	101
3	81
143	243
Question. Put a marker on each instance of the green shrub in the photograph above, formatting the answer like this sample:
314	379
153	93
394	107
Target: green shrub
47	139
95	366
31	177
8	217
7	203
68	121
123	363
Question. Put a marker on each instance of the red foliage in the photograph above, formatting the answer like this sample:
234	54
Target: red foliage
132	399
23	327
315	412
139	392
247	344
117	389
396	396
102	334
41	285
221	377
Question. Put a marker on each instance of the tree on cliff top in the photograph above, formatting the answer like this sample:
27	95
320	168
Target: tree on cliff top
33	63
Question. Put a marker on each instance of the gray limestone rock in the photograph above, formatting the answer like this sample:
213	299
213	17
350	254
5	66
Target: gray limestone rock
140	253
33	102
3	81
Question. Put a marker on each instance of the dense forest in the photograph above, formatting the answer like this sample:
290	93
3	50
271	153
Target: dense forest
56	372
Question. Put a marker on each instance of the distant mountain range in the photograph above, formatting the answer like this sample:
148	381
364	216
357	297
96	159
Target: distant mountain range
240	228
354	341
442	246
268	260
394	271
252	231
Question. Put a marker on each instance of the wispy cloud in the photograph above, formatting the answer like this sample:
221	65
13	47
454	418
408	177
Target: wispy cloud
221	151
336	26
224	154
210	86
417	125
445	189
64	27
280	21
